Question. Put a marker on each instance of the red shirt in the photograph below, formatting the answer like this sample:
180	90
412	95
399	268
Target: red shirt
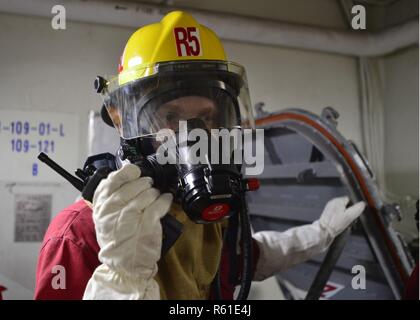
70	241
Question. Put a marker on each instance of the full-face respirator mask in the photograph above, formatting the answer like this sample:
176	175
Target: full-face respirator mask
185	104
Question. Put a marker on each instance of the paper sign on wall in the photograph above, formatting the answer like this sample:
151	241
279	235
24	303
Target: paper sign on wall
24	134
32	217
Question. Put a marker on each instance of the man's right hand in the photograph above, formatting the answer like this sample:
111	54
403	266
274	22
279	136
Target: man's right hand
127	213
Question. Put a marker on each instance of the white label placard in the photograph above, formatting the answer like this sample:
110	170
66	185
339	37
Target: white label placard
24	134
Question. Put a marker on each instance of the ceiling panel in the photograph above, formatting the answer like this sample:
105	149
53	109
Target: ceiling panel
324	13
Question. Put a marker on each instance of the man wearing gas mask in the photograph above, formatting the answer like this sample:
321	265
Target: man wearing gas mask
111	248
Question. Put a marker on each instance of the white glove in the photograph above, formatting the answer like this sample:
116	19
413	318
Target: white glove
127	213
336	218
281	250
